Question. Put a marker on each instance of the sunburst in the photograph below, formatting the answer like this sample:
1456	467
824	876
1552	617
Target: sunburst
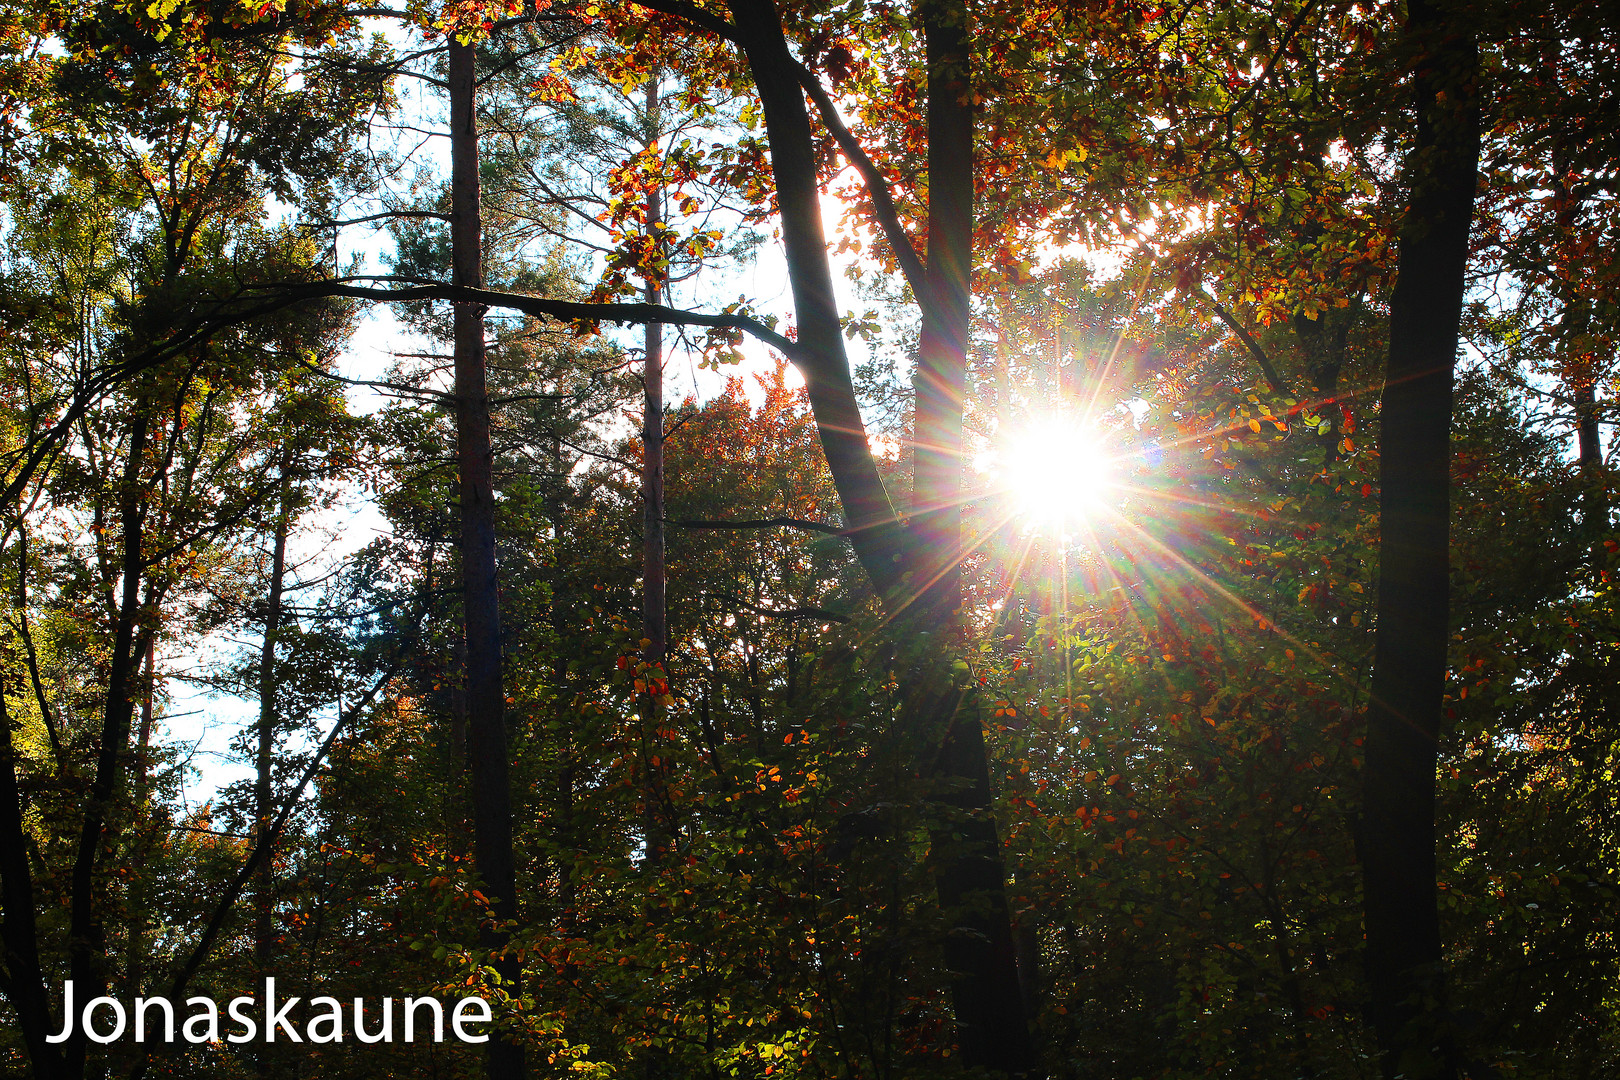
1055	471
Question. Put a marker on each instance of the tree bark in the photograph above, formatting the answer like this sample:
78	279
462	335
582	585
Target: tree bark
868	514
135	905
486	701
264	808
936	521
1578	366
653	612
1404	960
656	823
19	929
1588	439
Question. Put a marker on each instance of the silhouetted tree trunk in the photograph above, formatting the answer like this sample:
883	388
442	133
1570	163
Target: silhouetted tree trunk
969	873
19	928
915	570
486	702
869	516
1404	963
87	943
264	806
135	914
654	578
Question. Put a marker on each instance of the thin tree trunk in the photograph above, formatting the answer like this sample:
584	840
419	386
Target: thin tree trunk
1589	446
1578	365
1404	960
458	700
654	616
264	806
135	914
653	612
486	702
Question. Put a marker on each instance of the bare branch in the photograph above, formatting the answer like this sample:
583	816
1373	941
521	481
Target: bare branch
261	846
795	614
756	523
387	215
565	310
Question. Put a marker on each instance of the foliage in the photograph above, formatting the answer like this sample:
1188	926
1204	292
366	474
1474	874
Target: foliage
1184	241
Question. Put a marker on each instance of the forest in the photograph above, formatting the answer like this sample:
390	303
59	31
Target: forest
860	539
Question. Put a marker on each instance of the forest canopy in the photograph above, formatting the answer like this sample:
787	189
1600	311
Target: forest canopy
961	538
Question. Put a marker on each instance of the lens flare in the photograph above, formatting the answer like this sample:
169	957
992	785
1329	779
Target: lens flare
1054	472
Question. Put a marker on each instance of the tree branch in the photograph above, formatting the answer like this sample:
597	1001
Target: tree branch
261	848
387	215
563	310
877	185
696	16
1259	354
796	614
756	523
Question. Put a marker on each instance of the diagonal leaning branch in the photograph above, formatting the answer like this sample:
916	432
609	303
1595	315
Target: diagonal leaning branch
877	188
877	185
41	449
261	847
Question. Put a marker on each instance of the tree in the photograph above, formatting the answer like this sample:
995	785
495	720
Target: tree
1404	951
173	207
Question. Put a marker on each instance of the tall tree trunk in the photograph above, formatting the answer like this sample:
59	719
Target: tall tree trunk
135	905
19	929
653	613
1578	363
1582	376
969	873
654	616
936	522
1404	962
87	945
914	570
868	514
1588	438
486	702
264	807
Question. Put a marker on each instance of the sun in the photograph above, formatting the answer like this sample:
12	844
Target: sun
1054	471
